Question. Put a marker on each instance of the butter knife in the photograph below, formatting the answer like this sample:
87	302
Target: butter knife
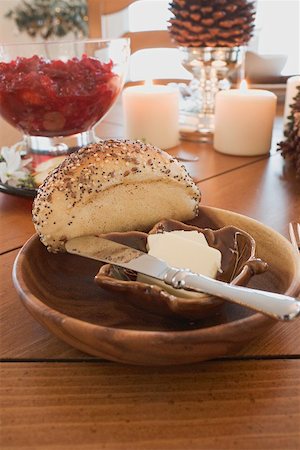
277	306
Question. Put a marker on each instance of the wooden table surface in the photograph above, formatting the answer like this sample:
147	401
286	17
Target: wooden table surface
55	397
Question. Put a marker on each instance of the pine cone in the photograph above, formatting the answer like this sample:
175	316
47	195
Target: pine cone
290	148
211	23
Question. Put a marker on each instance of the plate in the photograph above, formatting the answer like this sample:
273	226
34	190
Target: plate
21	191
35	168
59	291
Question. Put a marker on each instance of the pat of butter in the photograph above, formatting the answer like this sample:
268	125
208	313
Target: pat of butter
185	250
190	235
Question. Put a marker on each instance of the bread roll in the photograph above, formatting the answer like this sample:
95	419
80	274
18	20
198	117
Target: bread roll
116	185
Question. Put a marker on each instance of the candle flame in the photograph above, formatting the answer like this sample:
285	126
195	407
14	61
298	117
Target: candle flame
243	85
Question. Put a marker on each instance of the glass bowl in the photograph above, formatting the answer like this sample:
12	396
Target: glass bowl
56	92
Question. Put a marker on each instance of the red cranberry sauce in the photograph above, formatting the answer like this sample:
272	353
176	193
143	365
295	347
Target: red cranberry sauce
56	98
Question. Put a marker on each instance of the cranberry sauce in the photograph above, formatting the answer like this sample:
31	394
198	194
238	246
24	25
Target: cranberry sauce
56	98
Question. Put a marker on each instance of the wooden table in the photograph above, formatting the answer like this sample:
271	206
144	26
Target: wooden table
54	397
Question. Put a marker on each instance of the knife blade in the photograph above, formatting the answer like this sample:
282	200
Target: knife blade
277	306
117	254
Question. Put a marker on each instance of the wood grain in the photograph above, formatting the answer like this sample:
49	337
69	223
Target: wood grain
15	221
212	406
207	163
267	191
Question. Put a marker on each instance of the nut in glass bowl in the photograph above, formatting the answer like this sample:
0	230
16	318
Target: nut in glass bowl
238	265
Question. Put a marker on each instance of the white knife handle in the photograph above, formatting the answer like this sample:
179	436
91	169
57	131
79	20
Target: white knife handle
277	306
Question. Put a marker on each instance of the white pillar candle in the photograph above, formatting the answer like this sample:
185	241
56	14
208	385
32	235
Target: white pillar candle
291	91
244	121
151	114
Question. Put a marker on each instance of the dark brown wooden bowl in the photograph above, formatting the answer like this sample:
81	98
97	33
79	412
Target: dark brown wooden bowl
59	291
238	265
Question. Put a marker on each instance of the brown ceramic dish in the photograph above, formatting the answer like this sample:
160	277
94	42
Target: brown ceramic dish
238	266
57	290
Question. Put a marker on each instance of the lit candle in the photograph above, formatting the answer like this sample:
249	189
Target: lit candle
291	91
244	121
151	114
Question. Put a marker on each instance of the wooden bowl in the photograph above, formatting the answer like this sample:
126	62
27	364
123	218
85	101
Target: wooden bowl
59	291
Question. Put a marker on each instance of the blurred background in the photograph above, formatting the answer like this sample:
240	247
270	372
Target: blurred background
273	52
